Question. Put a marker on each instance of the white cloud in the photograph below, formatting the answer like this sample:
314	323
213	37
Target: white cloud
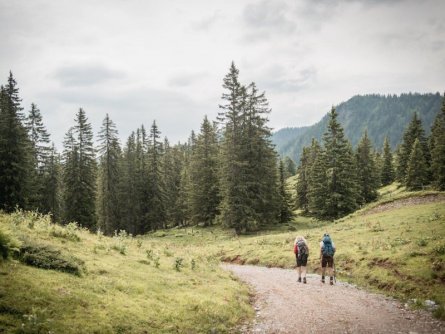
144	60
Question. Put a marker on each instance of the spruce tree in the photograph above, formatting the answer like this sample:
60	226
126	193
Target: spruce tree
368	180
80	173
387	172
416	174
204	190
108	177
15	150
413	131
156	217
129	196
172	165
51	200
437	144
285	214
302	185
337	165
40	150
234	207
290	167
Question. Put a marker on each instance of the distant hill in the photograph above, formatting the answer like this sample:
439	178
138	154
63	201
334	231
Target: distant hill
380	115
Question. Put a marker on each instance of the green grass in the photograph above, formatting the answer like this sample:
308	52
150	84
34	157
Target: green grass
121	290
170	281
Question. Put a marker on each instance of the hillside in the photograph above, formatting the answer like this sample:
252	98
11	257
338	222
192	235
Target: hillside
170	280
380	115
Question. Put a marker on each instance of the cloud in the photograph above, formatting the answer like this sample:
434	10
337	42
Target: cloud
278	79
206	23
186	79
266	18
85	75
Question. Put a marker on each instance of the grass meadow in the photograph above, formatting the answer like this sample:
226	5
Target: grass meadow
68	280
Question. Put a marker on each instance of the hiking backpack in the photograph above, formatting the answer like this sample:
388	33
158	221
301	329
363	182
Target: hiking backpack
302	248
328	249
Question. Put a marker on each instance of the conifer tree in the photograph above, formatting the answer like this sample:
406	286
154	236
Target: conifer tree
156	217
39	140
416	174
15	150
172	166
413	131
51	201
234	207
368	180
80	173
302	186
108	177
338	195
204	190
286	213
387	172
437	145
290	168
129	195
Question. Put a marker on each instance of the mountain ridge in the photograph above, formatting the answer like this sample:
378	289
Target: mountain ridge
380	115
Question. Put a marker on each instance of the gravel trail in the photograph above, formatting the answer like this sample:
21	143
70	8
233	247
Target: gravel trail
285	306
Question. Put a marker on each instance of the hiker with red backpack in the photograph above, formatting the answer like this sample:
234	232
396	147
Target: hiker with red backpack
327	251
301	251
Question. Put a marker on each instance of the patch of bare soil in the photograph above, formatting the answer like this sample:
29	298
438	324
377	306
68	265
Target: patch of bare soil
406	202
285	306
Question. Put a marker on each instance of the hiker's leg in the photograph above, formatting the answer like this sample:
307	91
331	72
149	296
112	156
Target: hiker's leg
331	270
323	268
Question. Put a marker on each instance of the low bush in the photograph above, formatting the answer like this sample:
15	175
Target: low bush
47	257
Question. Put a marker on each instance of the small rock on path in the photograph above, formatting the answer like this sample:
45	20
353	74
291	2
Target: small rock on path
285	306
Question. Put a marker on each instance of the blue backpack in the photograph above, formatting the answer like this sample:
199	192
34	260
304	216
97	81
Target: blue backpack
328	249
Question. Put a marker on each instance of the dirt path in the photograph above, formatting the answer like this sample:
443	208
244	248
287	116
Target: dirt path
284	306
400	203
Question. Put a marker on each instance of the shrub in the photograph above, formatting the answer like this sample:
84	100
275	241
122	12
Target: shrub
7	244
47	257
179	263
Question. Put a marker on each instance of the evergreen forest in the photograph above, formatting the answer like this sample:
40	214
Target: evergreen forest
229	173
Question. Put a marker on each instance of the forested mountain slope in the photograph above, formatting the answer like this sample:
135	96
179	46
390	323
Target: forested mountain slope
380	115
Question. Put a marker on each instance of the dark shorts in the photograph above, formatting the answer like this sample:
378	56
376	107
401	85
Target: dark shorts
302	260
327	261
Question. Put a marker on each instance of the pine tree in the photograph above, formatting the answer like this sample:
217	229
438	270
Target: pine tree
414	131
51	200
172	165
302	186
204	190
368	180
234	206
80	173
108	180
387	172
437	145
15	150
129	196
156	217
416	175
40	151
290	167
339	194
286	213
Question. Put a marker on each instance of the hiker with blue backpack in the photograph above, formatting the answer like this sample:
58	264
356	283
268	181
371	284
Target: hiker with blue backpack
301	251
327	251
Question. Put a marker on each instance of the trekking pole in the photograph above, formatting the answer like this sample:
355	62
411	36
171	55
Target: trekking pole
335	271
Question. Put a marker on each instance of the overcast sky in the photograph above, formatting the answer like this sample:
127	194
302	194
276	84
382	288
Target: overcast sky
148	60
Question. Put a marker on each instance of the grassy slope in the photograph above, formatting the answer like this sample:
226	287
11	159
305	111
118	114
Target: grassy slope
117	292
399	251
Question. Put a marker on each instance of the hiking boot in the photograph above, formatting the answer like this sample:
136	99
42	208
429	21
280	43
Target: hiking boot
299	279
331	280
322	279
304	280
